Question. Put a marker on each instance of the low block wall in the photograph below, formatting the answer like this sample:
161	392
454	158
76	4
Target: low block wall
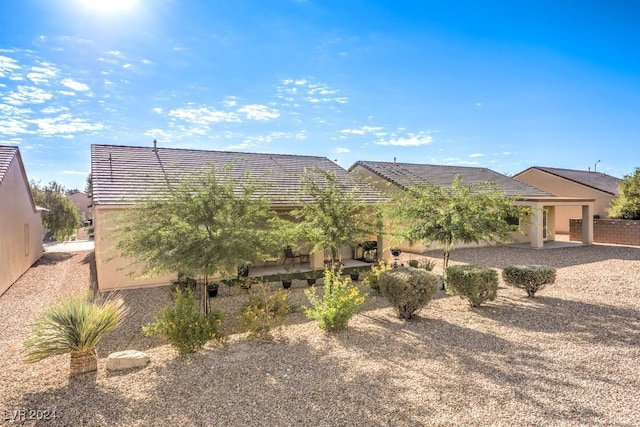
615	231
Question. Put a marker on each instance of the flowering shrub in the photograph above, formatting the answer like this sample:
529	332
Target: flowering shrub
338	304
183	325
531	278
373	278
408	289
474	282
264	310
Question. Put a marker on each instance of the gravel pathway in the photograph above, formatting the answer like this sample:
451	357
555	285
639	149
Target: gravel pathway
569	357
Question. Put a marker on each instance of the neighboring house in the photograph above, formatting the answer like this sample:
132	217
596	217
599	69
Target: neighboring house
393	176
601	187
21	228
82	202
124	175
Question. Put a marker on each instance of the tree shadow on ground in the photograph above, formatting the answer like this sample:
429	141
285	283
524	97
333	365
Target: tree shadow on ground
504	255
595	323
53	258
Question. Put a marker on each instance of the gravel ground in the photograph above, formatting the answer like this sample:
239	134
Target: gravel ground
569	357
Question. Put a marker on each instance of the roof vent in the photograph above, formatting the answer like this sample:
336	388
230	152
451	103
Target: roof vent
155	146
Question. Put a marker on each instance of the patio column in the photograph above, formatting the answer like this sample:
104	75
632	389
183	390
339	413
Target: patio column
537	226
316	260
587	224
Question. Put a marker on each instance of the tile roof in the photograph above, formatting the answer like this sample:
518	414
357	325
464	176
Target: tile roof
597	180
125	174
407	175
7	154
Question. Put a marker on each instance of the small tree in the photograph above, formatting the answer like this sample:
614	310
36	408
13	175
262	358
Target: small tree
211	224
332	215
63	218
462	213
626	205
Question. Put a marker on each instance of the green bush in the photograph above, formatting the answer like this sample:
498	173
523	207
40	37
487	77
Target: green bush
408	289
474	282
183	325
373	278
414	263
531	278
428	264
339	302
264	310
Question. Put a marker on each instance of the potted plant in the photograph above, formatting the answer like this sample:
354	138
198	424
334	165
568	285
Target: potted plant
355	275
286	279
212	289
243	270
312	277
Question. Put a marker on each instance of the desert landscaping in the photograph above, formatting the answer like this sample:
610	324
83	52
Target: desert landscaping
568	357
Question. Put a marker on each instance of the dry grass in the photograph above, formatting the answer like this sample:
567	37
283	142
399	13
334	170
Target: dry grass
571	356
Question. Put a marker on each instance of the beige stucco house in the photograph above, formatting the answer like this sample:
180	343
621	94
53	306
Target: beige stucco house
125	175
83	203
21	228
600	187
394	176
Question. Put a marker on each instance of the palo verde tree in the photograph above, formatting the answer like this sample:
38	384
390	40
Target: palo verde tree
331	213
62	219
209	225
626	205
462	213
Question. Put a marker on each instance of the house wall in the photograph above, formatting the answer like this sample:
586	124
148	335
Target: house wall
565	188
21	228
387	187
614	231
110	266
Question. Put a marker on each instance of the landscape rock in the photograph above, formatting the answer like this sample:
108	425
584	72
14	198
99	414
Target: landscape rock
127	359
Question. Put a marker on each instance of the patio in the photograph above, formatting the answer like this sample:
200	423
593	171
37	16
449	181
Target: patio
274	269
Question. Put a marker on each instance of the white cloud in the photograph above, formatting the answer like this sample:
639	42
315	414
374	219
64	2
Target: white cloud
8	66
412	140
66	92
158	110
54	110
75	85
203	115
70	172
27	95
125	66
146	61
362	130
230	101
41	75
63	124
476	155
116	53
340	150
259	112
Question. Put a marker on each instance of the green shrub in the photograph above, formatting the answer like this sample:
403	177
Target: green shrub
183	325
408	289
373	278
474	282
264	310
531	278
414	263
185	281
428	264
339	302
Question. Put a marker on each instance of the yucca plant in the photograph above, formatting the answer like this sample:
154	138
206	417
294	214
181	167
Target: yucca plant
74	325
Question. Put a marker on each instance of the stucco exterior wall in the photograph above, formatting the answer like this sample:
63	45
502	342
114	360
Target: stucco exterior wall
565	188
20	227
110	266
387	187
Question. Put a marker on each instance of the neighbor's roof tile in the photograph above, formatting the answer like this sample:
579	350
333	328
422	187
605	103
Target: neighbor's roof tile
597	180
407	175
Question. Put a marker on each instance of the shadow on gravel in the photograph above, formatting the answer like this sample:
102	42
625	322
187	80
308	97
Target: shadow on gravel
53	258
588	322
502	256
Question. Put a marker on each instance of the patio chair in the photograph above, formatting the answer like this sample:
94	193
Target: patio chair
290	254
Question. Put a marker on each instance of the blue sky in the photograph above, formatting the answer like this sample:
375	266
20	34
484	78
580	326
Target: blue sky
498	84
